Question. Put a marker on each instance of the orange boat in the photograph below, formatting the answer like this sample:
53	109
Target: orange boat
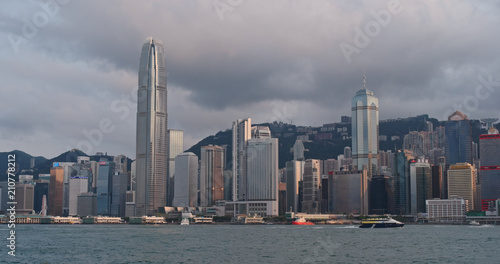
301	221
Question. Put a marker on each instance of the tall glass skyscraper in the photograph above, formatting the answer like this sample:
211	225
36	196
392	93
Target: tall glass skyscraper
458	139
151	144
211	175
241	134
365	130
105	187
175	143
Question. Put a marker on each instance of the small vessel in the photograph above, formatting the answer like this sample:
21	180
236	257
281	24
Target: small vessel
185	221
474	223
301	221
380	223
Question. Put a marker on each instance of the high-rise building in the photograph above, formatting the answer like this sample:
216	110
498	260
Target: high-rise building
67	171
444	183
186	180
381	195
175	146
105	187
440	140
261	132
348	192
24	198
94	167
415	142
386	162
77	186
437	181
82	169
87	204
298	150
402	182
458	139
462	183
294	172
118	194
56	190
262	169
211	175
420	185
330	165
241	134
120	164
347	152
489	146
151	143
255	170
311	200
365	133
345	119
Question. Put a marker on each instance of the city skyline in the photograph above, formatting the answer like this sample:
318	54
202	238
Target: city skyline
427	57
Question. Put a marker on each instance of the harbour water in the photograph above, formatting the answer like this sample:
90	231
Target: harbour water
251	244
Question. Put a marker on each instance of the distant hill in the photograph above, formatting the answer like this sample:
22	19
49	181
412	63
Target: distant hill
23	161
68	156
71	156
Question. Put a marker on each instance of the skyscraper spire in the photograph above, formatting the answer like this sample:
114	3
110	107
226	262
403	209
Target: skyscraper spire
364	81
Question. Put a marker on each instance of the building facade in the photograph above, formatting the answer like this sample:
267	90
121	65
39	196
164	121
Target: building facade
348	192
489	146
186	180
56	190
311	200
151	143
77	186
211	175
118	194
24	198
87	204
262	169
458	139
420	186
175	146
453	209
294	172
402	182
241	134
462	183
105	187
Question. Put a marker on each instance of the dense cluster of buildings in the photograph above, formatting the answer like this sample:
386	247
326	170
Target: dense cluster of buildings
440	173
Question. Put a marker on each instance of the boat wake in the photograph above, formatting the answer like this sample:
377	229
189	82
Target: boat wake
482	226
349	226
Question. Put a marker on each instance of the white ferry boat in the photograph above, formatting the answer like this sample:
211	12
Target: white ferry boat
380	223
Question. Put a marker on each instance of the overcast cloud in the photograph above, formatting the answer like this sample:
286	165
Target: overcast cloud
269	60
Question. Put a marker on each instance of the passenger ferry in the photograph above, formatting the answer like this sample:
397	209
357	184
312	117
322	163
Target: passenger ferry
380	223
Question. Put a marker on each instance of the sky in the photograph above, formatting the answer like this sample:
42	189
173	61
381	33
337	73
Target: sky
68	68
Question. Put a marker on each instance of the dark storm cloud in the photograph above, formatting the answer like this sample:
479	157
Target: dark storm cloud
269	60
